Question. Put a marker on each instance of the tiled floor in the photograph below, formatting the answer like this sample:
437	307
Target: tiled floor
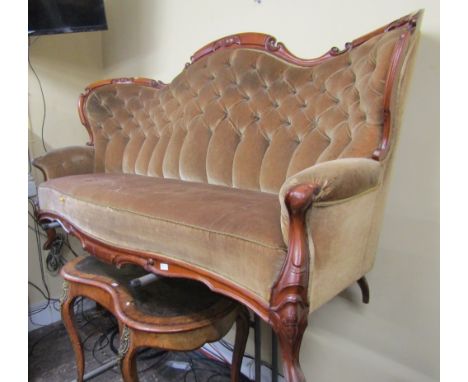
51	357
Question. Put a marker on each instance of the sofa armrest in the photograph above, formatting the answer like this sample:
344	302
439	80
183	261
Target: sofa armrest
327	212
337	181
72	160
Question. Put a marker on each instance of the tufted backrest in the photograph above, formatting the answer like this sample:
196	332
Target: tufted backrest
244	117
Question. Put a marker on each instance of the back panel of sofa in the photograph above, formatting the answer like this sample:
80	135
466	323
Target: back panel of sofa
243	117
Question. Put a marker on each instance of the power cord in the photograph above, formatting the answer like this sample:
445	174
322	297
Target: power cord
55	259
44	113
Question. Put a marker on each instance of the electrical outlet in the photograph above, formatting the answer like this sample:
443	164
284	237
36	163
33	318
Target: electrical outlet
32	190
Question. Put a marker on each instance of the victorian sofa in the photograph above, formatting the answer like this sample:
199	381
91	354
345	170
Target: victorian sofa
254	171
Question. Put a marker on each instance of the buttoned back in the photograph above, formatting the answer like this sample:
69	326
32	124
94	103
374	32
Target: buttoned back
244	117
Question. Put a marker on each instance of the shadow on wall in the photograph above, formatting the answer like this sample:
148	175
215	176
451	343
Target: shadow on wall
402	320
414	190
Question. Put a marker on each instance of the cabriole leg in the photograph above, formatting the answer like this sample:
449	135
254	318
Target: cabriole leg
290	328
127	354
362	282
289	301
68	318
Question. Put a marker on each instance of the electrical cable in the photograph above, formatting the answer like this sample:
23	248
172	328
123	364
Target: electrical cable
44	113
55	259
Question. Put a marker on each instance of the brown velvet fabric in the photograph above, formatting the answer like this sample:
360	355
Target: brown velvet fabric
244	118
338	239
230	232
73	160
339	180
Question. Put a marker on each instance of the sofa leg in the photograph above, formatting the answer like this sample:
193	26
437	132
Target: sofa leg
362	282
289	327
289	307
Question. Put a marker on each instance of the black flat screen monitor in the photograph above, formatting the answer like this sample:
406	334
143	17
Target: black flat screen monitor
65	16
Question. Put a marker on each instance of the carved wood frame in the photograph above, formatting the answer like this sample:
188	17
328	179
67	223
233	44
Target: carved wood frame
288	309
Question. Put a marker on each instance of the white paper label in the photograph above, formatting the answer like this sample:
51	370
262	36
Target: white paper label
164	266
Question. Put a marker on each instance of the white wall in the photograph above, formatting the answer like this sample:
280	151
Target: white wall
64	64
396	337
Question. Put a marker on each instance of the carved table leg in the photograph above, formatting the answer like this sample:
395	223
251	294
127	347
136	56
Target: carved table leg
66	303
242	332
127	354
362	282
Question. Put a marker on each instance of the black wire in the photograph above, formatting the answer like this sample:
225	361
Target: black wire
161	355
67	243
43	102
41	265
41	291
55	259
35	343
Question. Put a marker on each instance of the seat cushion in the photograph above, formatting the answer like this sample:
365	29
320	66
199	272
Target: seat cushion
230	232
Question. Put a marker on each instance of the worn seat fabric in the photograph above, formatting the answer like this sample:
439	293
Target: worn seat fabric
226	231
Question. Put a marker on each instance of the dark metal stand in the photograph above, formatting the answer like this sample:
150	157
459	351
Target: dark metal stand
258	349
274	356
258	352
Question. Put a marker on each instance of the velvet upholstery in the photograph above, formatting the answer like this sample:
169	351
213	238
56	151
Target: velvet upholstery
339	181
71	160
244	118
198	170
219	229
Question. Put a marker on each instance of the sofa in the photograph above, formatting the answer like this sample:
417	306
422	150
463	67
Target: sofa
259	173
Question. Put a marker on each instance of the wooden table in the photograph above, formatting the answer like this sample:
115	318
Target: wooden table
170	313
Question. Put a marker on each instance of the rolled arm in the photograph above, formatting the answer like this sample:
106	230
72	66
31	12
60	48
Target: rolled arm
337	181
72	160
